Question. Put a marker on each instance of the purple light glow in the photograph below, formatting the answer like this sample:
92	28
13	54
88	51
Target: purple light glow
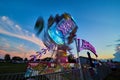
88	46
43	51
65	26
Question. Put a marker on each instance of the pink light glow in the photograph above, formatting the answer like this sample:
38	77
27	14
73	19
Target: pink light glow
66	26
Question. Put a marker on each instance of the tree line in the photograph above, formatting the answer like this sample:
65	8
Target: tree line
7	58
14	58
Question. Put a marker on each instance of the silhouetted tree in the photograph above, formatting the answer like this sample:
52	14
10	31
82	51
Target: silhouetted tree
16	58
25	59
37	59
111	61
7	57
71	59
47	59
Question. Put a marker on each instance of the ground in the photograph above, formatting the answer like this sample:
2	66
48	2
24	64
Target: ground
21	67
115	75
12	67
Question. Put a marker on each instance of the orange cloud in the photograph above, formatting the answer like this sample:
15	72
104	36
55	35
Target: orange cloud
24	54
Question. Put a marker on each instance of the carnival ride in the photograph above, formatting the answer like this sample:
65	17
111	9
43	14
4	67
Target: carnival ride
57	36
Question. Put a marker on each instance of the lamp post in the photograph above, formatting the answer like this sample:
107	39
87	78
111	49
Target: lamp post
77	42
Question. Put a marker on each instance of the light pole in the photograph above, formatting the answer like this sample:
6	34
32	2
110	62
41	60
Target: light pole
77	42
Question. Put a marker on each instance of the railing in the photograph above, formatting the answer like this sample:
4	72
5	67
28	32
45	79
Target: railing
12	76
74	74
65	75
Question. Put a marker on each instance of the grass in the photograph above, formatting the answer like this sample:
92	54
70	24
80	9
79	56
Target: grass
12	67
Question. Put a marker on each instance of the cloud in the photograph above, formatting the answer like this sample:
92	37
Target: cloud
18	27
7	45
8	27
21	48
118	40
117	47
109	45
2	52
7	20
116	56
22	55
4	43
117	53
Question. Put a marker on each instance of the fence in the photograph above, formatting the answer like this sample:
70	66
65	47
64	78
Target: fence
98	74
13	76
65	75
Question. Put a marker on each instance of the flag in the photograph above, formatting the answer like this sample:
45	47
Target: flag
86	45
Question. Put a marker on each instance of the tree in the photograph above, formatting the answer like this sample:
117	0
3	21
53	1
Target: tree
47	59
7	57
16	58
25	59
71	59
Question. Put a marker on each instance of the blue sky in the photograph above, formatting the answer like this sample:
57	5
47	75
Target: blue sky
98	22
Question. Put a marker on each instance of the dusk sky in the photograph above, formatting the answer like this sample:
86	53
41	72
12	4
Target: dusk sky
98	22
